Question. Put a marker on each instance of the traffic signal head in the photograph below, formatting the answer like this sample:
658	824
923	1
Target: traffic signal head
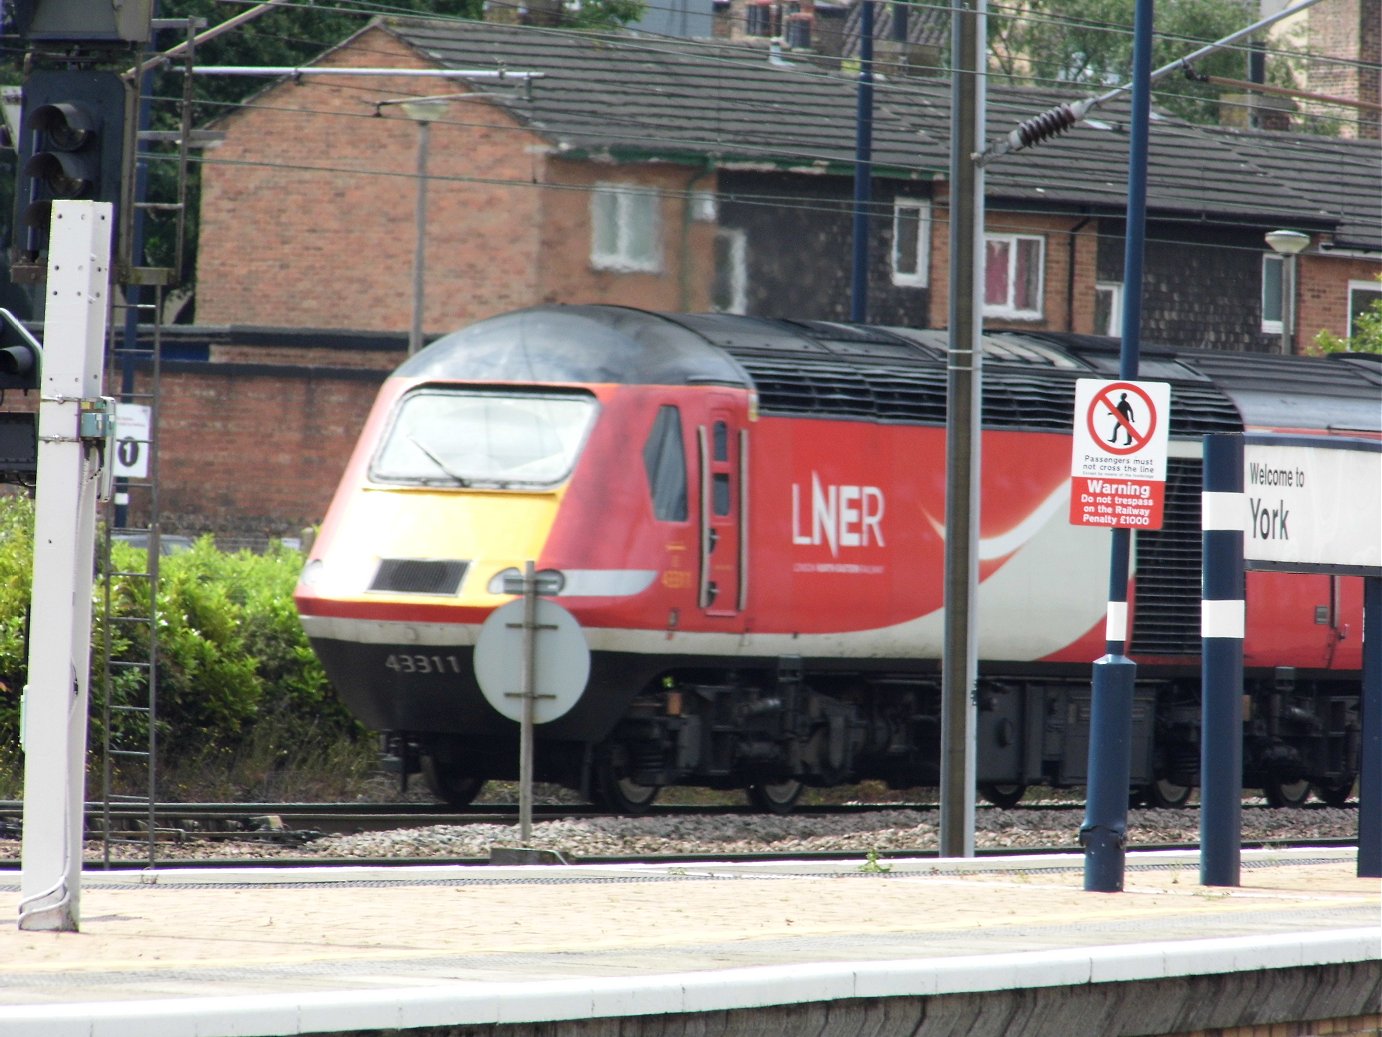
21	356
72	146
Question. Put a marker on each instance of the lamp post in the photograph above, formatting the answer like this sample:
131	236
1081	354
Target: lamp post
1288	244
424	112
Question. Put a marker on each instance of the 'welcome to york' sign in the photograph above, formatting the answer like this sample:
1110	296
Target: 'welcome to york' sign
1313	503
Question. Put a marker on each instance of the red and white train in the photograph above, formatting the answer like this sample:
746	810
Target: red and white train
746	517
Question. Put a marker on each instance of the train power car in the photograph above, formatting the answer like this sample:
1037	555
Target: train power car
746	518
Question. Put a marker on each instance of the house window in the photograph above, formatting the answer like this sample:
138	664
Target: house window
1361	296
730	291
1013	275
759	19
1273	267
1108	308
911	242
626	228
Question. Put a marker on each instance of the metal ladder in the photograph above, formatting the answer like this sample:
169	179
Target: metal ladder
129	689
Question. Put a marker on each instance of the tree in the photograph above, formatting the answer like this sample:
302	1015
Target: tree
1039	42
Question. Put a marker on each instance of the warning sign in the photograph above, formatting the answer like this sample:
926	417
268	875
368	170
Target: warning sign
1118	462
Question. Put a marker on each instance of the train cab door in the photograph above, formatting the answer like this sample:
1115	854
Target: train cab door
722	448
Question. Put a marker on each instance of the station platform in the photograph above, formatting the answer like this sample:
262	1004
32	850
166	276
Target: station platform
923	947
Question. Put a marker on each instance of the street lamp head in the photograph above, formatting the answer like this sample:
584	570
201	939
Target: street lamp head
428	110
1287	242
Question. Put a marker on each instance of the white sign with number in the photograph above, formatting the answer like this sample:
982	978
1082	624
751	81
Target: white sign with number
132	424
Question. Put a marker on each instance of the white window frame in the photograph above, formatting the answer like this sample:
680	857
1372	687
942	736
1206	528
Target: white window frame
1008	309
921	276
615	212
1370	290
1115	310
737	276
1272	326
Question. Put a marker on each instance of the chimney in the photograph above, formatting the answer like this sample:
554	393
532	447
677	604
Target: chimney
1345	40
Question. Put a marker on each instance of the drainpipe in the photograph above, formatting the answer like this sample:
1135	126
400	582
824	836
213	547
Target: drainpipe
1070	278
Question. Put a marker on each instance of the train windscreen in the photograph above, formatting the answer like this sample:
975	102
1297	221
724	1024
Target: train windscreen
504	439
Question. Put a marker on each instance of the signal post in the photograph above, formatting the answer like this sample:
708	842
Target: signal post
75	426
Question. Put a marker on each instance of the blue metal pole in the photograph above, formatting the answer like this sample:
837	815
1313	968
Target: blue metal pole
1370	766
1104	832
863	168
1222	624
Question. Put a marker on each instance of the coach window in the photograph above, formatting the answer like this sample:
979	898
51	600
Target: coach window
625	228
911	242
664	456
1013	275
720	494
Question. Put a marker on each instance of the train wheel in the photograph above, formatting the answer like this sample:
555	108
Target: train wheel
1285	793
625	796
1167	794
1335	793
455	790
1004	796
775	799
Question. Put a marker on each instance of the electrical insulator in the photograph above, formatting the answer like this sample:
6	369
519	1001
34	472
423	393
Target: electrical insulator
1048	124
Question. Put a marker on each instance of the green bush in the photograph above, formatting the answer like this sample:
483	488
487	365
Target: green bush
235	674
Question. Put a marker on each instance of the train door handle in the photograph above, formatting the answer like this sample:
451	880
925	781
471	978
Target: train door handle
712	538
710	592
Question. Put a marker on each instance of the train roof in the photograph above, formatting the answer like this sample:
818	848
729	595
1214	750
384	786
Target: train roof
862	371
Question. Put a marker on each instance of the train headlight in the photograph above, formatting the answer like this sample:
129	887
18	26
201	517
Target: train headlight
311	573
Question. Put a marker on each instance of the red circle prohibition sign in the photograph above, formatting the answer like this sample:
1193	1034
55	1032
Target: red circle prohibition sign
1139	437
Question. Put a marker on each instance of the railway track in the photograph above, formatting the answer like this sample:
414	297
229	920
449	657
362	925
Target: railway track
338	835
240	819
212	820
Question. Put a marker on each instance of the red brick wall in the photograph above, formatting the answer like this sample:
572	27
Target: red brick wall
1322	301
308	206
566	274
253	449
1345	41
308	212
1071	245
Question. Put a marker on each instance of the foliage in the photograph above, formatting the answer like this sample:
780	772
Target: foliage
1366	337
1038	42
234	669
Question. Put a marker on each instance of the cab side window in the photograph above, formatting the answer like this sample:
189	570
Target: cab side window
664	457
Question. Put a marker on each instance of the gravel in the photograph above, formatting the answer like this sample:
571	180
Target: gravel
885	831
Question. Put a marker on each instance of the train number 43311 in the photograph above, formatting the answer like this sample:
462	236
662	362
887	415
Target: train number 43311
420	663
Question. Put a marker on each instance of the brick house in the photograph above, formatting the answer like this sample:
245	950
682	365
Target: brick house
682	175
687	175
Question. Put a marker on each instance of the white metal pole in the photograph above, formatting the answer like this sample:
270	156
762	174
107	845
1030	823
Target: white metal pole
66	489
529	685
424	128
1288	305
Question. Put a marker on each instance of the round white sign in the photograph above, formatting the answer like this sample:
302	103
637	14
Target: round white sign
561	660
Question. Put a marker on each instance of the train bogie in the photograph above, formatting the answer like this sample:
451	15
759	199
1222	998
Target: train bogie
747	519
